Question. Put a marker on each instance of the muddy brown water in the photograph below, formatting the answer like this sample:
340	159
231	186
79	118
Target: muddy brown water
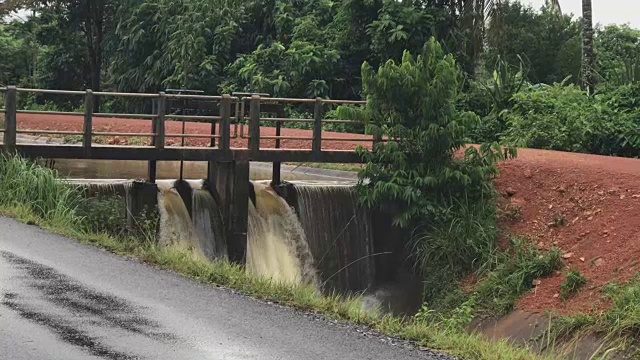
135	169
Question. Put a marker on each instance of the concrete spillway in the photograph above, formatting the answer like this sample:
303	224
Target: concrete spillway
301	233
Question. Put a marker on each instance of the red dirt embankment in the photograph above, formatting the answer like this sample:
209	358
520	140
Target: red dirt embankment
588	206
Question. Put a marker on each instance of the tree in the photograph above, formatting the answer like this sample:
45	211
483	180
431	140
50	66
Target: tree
588	57
548	42
91	18
413	104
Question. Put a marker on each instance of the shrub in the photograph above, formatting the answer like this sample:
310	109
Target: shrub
550	117
413	104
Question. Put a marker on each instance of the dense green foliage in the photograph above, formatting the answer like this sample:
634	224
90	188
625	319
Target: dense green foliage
412	104
565	118
423	172
24	183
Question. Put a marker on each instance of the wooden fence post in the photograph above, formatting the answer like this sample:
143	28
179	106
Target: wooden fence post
157	128
10	118
254	125
88	123
225	122
316	145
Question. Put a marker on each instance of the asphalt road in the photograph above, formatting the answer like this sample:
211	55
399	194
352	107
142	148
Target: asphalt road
60	299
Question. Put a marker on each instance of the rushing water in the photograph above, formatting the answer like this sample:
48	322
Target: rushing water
208	224
317	234
202	231
277	246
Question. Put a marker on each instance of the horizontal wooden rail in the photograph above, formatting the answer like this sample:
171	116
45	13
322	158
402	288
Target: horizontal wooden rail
271	137
340	121
192	117
123	116
46	91
50	132
125	94
42	112
202	136
100	133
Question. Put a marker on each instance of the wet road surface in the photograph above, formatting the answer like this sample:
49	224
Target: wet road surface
63	300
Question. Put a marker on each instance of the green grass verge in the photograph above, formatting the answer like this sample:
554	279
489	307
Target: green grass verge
44	201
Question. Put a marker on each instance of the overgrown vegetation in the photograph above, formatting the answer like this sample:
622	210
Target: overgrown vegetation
440	335
433	184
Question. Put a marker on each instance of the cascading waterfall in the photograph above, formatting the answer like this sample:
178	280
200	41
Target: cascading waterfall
276	245
176	228
339	233
208	224
202	231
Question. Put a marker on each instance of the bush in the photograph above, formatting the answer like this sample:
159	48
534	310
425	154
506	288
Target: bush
565	118
550	117
413	104
423	173
449	250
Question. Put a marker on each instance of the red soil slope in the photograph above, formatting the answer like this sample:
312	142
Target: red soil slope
588	206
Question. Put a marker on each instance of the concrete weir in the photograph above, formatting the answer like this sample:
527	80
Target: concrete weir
298	232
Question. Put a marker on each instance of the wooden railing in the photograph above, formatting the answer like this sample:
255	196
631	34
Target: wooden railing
228	112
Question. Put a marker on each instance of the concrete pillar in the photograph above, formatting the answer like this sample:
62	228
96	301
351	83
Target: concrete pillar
231	180
141	200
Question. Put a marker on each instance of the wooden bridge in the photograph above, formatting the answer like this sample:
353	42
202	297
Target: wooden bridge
236	116
230	117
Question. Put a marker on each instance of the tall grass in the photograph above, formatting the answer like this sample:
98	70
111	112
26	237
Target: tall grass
448	250
24	183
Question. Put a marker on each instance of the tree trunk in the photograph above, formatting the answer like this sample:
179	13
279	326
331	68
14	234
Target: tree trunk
588	57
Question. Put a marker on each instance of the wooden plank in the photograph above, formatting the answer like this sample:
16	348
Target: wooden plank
110	152
159	130
106	152
337	156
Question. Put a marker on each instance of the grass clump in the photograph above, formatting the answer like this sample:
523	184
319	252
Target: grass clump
24	183
514	275
445	336
572	283
624	314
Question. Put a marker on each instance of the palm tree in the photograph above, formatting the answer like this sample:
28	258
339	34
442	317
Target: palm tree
588	57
